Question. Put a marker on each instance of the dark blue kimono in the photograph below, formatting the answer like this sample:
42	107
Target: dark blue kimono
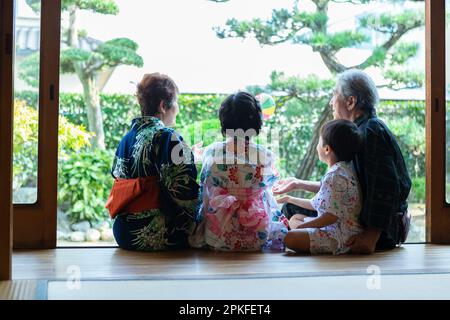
151	149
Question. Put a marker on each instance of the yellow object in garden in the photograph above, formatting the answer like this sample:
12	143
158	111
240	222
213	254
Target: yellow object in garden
268	105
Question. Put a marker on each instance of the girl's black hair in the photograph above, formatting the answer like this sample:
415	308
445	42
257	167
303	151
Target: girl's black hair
343	137
240	111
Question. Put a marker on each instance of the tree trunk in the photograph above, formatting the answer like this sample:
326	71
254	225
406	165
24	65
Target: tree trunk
309	161
91	93
73	30
94	112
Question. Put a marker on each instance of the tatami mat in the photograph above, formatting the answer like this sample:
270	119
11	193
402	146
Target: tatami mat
23	290
372	287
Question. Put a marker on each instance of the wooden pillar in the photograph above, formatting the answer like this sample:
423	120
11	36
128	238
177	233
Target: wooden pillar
438	211
6	125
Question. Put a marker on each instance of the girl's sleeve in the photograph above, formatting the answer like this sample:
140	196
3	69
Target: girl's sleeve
206	164
175	165
269	171
329	197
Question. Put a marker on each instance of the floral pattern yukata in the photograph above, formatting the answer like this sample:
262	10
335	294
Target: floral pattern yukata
239	212
147	150
339	195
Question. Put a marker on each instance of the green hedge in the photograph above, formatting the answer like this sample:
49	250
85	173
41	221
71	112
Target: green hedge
295	120
84	184
120	109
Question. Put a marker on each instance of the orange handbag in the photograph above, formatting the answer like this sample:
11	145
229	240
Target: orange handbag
133	196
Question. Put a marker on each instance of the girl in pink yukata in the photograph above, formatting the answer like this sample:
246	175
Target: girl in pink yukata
238	210
338	199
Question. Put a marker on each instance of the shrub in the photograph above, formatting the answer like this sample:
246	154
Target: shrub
84	184
25	146
207	131
119	109
418	191
295	120
72	138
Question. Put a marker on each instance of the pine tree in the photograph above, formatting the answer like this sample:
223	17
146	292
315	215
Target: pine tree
87	64
303	27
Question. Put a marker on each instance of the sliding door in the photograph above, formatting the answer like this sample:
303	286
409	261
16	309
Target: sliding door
35	220
36	128
437	153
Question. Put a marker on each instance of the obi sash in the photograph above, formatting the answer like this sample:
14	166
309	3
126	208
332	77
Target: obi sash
133	196
250	209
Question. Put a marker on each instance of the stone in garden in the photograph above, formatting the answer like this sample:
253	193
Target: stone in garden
93	235
107	235
82	226
77	236
63	222
61	235
102	225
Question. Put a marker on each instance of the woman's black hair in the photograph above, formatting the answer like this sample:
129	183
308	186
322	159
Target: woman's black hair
343	137
241	111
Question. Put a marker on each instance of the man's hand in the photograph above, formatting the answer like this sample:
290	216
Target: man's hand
296	220
365	242
285	186
283	199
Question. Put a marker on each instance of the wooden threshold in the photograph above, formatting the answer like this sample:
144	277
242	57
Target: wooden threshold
114	263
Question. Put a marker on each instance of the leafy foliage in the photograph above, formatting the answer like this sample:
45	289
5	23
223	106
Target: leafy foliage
313	28
120	109
99	6
72	139
84	184
110	54
87	64
197	121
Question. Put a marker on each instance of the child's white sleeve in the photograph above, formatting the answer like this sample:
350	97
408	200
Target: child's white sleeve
329	197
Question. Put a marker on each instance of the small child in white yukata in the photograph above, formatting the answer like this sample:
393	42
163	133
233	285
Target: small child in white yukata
338	200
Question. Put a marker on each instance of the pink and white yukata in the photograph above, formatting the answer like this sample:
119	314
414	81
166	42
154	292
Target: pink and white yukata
238	210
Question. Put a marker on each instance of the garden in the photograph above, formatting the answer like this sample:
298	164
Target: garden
92	122
84	172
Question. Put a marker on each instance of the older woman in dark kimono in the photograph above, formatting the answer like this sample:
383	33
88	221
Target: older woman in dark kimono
160	206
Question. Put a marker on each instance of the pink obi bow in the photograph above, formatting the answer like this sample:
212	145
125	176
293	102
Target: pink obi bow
247	203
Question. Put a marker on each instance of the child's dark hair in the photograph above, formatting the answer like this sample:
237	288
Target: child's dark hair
240	111
343	137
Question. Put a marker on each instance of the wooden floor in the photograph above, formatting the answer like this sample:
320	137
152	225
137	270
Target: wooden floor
113	263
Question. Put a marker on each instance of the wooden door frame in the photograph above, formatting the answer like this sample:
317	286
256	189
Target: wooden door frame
438	211
35	225
6	124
